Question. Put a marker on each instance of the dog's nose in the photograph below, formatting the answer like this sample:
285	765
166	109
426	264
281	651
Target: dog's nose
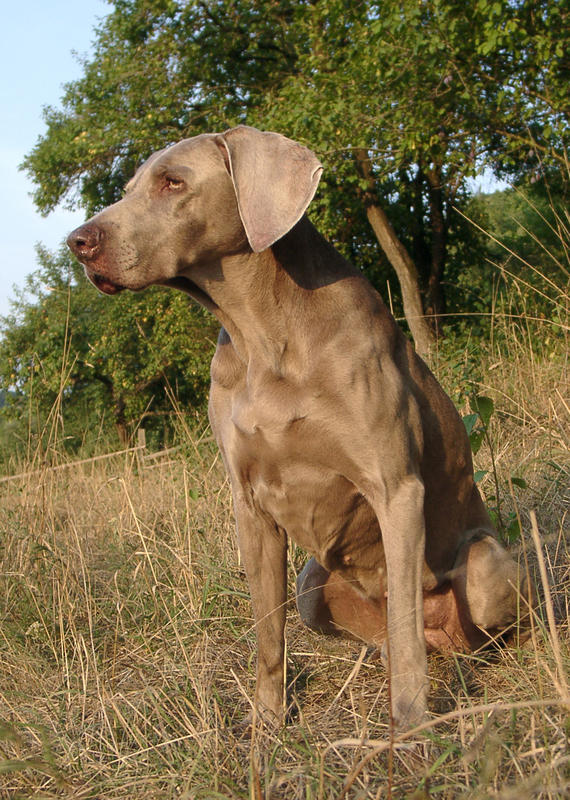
85	242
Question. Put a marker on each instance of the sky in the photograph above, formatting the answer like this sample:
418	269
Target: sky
37	42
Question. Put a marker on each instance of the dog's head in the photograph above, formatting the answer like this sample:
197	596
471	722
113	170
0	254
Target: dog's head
194	203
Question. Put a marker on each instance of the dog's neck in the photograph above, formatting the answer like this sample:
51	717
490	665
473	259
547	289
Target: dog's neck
275	305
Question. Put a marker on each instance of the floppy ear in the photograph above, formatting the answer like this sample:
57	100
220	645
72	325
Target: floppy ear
274	178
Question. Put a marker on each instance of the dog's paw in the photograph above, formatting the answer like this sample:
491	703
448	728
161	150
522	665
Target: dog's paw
409	706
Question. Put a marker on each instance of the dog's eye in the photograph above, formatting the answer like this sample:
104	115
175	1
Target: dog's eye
174	184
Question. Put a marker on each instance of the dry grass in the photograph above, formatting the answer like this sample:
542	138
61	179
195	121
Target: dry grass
127	644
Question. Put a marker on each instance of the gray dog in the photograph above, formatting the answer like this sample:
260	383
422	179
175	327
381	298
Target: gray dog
332	429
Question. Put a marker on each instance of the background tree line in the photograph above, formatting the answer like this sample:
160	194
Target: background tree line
403	101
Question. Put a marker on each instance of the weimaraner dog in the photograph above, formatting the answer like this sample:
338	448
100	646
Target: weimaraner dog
333	431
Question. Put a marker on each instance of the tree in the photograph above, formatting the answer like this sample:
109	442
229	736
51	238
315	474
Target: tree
425	94
528	241
69	349
404	100
161	70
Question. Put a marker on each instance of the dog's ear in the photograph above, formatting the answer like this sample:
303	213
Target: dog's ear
274	178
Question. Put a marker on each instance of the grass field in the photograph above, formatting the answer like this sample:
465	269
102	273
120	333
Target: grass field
127	646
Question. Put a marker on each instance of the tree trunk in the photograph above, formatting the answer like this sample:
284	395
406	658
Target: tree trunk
420	252
400	260
120	421
435	304
122	432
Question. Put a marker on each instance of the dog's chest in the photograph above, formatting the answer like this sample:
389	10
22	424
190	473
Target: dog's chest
271	409
289	446
320	510
288	462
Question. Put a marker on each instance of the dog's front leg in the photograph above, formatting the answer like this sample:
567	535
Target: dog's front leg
401	516
263	547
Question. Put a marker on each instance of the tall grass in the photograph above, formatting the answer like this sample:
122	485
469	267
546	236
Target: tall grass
127	644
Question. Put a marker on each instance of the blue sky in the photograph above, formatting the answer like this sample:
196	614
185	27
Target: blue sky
36	43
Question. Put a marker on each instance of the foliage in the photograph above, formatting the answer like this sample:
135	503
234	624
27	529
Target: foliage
66	345
432	93
161	70
477	426
523	237
528	223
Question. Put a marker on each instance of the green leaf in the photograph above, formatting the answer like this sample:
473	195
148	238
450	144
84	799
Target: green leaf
470	420
520	482
484	407
479	475
476	440
513	530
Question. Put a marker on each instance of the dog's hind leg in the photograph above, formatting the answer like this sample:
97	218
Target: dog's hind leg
490	586
332	605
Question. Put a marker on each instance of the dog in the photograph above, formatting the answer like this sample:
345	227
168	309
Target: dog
333	431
